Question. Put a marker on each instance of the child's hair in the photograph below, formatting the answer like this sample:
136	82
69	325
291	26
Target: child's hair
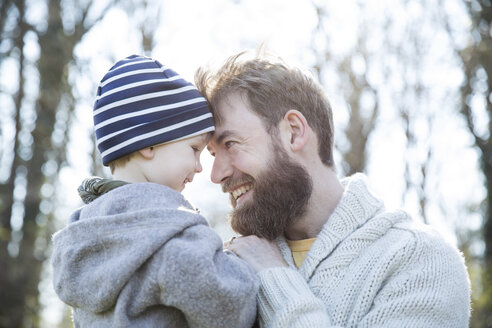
141	103
121	161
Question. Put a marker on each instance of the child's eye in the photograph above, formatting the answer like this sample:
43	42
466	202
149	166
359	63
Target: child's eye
195	149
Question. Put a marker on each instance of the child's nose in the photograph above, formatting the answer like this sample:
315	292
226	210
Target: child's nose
198	166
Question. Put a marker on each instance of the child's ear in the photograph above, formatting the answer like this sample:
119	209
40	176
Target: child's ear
147	153
297	127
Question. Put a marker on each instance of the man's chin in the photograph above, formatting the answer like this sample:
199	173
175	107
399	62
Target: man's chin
279	197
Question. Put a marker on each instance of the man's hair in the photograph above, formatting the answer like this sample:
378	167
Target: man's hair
271	88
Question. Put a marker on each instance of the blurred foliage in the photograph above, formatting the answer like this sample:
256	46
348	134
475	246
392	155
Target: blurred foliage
41	120
37	152
476	60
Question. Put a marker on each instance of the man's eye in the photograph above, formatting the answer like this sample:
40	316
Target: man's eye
229	144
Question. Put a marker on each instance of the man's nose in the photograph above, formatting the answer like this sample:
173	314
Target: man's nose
221	169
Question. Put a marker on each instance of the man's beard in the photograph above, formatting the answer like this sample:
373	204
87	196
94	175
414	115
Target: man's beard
280	196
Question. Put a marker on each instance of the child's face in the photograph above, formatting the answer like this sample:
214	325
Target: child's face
174	164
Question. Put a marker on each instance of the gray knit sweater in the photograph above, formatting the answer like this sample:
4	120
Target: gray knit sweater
368	268
140	256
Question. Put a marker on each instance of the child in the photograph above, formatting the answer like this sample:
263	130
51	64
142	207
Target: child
140	255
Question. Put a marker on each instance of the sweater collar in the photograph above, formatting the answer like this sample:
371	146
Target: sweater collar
355	208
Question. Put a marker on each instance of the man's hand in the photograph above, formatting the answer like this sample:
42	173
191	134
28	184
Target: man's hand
258	252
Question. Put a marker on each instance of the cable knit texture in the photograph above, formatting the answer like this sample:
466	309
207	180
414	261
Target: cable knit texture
140	256
368	268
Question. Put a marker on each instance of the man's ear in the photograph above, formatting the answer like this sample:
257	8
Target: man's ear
147	152
297	128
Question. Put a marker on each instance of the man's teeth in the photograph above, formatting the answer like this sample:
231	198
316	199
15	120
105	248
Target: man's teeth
238	192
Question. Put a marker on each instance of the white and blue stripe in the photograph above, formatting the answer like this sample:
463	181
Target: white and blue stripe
141	103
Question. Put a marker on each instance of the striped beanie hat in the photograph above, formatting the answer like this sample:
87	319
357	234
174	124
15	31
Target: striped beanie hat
141	103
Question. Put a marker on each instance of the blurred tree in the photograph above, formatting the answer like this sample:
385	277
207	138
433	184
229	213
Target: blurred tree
408	59
362	121
148	26
351	70
476	107
11	278
38	148
410	46
385	69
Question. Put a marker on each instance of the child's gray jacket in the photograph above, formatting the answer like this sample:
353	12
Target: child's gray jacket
141	256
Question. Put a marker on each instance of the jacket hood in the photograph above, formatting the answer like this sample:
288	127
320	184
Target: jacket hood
111	238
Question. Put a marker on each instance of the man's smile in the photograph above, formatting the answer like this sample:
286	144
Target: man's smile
241	190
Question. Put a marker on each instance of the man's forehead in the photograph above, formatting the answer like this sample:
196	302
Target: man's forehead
229	122
231	107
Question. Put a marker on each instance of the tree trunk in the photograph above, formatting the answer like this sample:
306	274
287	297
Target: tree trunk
487	227
20	275
11	276
19	302
487	230
476	59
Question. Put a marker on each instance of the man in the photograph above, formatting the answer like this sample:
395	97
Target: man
326	251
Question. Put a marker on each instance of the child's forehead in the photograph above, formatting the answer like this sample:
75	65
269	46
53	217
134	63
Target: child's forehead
207	136
202	138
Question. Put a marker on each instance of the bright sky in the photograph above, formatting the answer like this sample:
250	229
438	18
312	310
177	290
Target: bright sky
192	33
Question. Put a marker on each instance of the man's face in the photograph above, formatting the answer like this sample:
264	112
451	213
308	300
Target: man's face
268	190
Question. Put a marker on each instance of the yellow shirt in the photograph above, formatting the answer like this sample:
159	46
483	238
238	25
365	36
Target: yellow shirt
299	249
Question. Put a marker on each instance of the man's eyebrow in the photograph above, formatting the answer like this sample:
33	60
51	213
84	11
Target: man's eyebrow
224	134
220	138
